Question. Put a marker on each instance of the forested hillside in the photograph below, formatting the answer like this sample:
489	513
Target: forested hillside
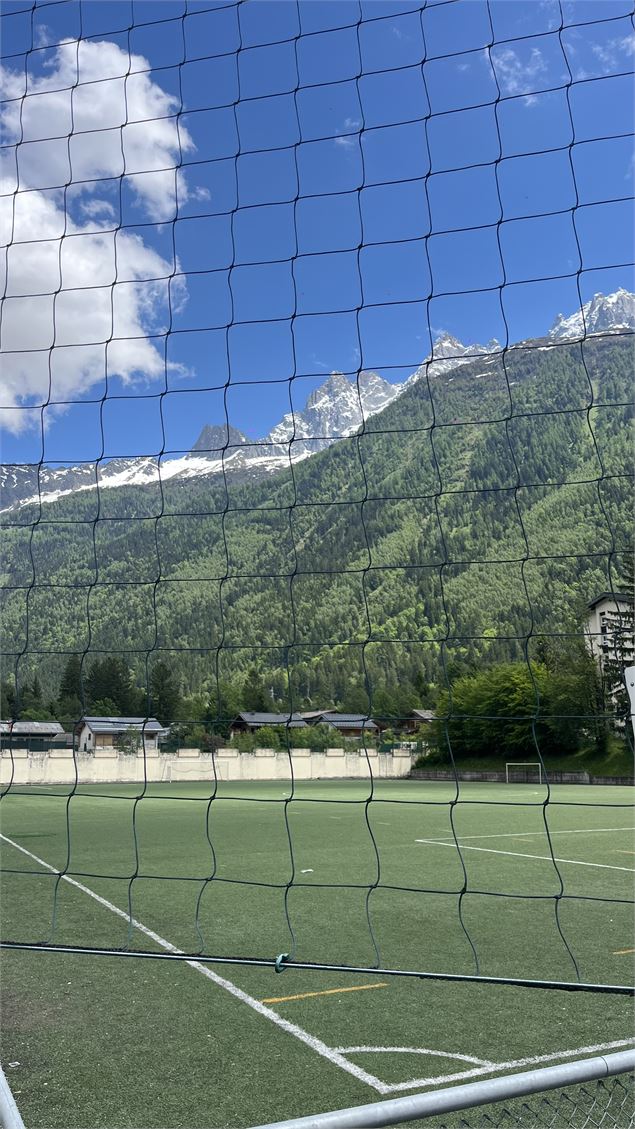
477	511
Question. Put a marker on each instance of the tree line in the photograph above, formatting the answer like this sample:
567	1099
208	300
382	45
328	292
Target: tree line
557	703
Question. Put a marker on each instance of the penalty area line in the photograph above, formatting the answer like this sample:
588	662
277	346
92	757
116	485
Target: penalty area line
532	834
315	1044
524	855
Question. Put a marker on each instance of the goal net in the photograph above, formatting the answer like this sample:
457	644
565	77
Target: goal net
523	772
317	324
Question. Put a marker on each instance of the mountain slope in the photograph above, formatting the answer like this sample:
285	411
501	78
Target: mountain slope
474	512
337	409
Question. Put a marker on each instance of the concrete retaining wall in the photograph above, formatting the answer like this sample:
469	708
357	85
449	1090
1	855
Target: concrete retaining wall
108	766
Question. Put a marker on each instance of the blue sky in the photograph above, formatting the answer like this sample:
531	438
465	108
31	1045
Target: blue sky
226	202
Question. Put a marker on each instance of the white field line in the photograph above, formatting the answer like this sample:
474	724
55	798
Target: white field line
518	795
508	795
516	834
416	1051
333	1056
479	1071
523	855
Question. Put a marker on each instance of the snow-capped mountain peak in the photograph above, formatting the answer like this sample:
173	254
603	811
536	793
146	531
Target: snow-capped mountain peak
334	410
613	313
334	385
447	347
448	353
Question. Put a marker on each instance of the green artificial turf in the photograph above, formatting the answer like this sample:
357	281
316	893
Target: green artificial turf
117	1042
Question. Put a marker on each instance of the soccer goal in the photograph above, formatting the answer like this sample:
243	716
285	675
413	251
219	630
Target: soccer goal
524	772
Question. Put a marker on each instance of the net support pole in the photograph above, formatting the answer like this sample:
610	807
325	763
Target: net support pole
415	1106
9	1113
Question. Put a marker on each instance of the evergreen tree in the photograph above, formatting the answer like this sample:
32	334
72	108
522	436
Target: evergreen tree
165	693
105	707
225	703
31	705
68	711
254	694
110	679
71	681
355	700
8	703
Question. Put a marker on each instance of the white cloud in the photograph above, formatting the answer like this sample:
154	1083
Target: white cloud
613	53
81	302
86	118
73	298
348	139
519	75
98	209
201	193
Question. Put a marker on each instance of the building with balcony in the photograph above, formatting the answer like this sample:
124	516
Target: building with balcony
609	630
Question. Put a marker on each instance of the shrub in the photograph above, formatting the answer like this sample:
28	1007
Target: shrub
505	709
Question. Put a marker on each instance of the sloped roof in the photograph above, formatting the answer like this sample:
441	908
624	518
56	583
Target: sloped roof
349	721
121	724
423	715
32	728
255	719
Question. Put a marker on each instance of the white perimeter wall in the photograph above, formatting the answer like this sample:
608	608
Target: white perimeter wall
109	766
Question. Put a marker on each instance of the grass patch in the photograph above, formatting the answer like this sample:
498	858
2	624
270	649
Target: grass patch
616	761
123	1042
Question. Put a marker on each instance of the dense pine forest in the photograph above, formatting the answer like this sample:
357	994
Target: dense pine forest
467	524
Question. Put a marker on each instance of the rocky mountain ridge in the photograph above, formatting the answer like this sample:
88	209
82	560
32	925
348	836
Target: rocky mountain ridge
338	408
613	313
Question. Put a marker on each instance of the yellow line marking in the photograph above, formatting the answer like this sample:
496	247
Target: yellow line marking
619	852
326	992
622	952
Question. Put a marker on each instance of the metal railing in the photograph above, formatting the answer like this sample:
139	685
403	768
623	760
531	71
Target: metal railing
603	1096
9	1113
